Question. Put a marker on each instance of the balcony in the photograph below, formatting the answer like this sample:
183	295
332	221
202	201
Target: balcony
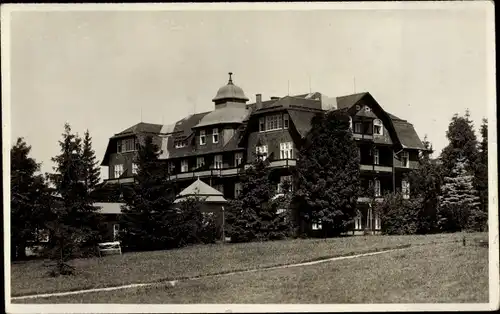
360	136
376	168
365	199
227	172
119	180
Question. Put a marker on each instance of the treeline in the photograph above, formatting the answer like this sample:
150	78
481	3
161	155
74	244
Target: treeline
56	211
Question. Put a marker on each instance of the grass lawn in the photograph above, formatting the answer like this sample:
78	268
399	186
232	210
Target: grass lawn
447	273
31	277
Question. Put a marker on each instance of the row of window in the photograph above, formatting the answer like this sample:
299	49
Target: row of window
200	162
286	151
215	136
127	145
405	157
274	122
118	170
378	128
375	184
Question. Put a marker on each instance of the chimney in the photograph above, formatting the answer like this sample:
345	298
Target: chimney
258	101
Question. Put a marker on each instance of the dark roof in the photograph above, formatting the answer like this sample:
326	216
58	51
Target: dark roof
183	127
407	135
141	127
349	100
302	120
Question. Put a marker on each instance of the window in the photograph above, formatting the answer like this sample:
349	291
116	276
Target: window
405	159
118	171
200	162
135	168
218	162
405	189
171	167
316	225
238	159
215	135
274	122
376	158
137	145
237	189
378	129
350	123
116	231
180	143
127	145
262	125
377	187
358	222
262	152
184	165
286	122
286	150
203	138
359	152
358	127
367	109
282	180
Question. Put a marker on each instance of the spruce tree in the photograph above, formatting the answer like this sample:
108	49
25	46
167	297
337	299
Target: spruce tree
462	143
425	183
481	178
459	207
149	220
254	216
91	170
328	173
29	200
76	221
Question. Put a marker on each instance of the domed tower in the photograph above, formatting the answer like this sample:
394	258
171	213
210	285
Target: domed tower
230	95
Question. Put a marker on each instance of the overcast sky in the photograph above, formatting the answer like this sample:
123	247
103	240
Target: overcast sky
96	70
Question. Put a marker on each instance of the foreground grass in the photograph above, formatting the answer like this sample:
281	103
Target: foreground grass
31	277
447	273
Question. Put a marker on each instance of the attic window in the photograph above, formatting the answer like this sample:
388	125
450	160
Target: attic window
127	145
367	109
358	107
180	143
285	121
203	138
274	122
377	127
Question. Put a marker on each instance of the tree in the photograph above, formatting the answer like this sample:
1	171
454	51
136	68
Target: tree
190	221
462	143
398	215
328	173
254	215
76	222
91	171
29	205
425	183
481	178
459	202
149	220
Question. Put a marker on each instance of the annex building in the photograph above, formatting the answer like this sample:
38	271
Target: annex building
214	146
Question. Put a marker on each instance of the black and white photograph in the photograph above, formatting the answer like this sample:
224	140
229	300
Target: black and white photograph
249	157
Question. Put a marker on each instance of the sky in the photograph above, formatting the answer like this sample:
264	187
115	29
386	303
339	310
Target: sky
107	70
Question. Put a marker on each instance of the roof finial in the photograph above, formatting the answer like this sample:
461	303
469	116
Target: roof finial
230	78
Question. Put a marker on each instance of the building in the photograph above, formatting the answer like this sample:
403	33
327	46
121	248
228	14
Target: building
215	146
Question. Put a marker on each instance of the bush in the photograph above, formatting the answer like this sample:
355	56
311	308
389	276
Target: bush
399	216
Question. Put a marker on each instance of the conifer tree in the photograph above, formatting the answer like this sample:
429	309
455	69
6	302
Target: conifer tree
462	143
254	216
481	178
29	205
328	173
149	220
91	170
76	221
459	207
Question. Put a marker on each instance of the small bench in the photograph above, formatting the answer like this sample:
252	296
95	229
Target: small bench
109	247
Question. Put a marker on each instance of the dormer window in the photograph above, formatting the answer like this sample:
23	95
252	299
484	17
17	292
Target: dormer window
203	137
367	109
274	122
405	159
180	143
286	121
215	135
127	145
262	124
378	128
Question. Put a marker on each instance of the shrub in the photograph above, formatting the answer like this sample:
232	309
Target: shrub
399	216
